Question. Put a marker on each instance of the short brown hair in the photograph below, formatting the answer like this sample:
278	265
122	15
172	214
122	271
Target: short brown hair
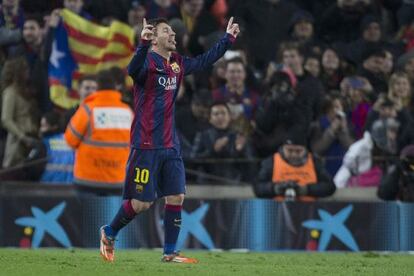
13	72
289	46
105	80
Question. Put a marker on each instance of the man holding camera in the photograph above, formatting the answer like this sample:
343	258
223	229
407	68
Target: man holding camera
398	182
279	111
293	173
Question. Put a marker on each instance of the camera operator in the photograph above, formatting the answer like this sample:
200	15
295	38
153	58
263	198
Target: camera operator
293	173
398	183
279	111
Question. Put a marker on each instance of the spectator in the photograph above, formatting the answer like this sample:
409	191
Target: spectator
400	93
371	35
86	85
399	90
220	141
331	136
312	65
193	118
405	14
356	91
19	114
258	19
293	173
136	14
99	132
162	8
302	31
58	168
388	64
219	10
199	22
11	22
11	14
398	183
366	160
76	6
395	105
33	48
383	109
309	89
406	63
339	22
331	73
32	34
217	77
241	100
190	11
371	68
253	76
279	111
406	35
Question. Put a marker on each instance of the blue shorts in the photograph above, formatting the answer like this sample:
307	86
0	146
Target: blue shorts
153	174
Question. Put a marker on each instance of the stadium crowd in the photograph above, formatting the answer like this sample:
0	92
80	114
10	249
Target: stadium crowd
323	86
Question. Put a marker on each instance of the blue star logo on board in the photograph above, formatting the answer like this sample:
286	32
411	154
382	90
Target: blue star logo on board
333	225
191	224
46	222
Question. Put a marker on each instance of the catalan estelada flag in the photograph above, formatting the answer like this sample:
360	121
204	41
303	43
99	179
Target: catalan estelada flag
83	47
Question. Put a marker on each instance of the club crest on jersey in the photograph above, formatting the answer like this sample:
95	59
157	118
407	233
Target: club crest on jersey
168	83
175	67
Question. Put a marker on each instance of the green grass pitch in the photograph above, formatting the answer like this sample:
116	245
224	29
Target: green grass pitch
48	262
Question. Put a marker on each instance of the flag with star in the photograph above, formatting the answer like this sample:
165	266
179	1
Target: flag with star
83	47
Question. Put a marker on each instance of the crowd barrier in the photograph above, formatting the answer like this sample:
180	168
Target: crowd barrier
37	215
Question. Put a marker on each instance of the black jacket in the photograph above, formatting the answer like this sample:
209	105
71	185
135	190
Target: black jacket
204	148
264	186
395	186
277	115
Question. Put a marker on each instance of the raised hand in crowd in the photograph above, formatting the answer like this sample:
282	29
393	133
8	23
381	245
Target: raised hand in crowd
339	123
53	19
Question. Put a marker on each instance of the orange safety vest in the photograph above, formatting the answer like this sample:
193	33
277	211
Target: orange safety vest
303	175
100	133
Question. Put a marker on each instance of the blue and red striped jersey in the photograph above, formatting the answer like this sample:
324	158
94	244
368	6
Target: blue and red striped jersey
156	84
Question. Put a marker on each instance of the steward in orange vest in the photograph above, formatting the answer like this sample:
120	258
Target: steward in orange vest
293	173
100	132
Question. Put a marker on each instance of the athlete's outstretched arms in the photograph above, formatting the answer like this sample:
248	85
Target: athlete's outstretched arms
202	61
138	60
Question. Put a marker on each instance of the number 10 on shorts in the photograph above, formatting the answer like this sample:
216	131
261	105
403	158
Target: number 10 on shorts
141	176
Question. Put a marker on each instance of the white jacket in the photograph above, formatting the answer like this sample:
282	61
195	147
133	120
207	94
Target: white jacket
357	160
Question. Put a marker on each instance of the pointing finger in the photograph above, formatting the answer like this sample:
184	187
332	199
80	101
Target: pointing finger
230	22
144	22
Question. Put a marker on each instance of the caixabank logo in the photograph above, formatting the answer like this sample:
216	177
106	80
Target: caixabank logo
43	222
331	226
191	225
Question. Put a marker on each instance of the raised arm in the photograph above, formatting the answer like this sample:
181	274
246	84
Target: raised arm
212	55
138	60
